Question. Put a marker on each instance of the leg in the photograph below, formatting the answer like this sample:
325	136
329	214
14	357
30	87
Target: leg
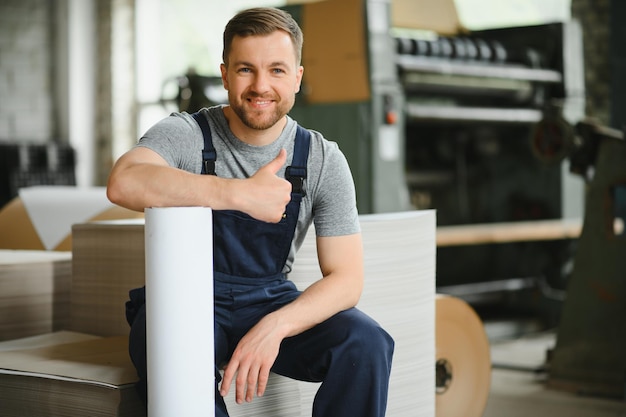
221	355
351	354
137	351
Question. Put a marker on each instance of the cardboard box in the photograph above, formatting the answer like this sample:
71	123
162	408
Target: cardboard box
335	60
439	16
17	225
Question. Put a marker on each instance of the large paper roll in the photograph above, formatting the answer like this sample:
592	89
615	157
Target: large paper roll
463	367
179	308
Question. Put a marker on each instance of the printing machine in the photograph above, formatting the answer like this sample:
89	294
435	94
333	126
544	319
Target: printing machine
473	104
487	135
475	124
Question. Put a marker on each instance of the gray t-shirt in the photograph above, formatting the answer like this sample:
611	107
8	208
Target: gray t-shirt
330	200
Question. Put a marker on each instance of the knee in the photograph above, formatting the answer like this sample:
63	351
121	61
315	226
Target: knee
378	342
370	340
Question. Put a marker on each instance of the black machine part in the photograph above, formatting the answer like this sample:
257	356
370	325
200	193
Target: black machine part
553	139
589	134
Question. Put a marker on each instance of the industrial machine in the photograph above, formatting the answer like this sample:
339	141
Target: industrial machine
589	354
473	124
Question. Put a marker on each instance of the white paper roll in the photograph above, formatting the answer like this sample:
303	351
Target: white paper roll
179	308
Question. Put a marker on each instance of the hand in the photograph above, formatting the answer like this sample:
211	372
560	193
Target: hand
266	195
252	361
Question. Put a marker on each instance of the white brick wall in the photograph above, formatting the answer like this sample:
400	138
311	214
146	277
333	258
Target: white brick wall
25	71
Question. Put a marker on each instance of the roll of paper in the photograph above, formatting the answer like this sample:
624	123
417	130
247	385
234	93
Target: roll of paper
463	367
179	308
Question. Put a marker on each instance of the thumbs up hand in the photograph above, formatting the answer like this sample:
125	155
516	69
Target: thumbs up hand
265	195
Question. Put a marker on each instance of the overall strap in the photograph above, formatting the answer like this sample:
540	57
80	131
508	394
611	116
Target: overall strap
296	172
208	153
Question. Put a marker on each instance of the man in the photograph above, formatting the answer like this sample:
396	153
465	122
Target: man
271	179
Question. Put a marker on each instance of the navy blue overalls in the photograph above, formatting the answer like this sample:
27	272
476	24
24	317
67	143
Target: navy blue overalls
349	351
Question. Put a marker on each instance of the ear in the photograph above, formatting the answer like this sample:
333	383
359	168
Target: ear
299	74
224	72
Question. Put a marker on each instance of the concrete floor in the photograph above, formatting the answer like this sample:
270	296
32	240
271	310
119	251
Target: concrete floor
521	394
518	386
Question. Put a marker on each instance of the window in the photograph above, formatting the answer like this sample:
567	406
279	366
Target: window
174	37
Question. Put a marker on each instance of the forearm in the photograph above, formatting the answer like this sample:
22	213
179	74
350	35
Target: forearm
317	303
342	267
144	185
141	178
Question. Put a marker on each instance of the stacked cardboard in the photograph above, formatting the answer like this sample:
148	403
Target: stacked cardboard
108	260
34	292
67	374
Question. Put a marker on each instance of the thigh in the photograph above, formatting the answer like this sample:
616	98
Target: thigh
137	342
350	333
222	349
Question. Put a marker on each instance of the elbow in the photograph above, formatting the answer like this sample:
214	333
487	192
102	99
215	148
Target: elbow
115	192
112	191
356	298
113	196
355	295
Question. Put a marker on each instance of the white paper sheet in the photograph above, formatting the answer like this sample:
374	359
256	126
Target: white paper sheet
179	307
399	257
54	209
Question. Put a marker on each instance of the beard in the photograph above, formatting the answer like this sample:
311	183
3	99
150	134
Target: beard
261	119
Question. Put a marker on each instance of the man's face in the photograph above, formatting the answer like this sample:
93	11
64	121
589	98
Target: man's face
262	78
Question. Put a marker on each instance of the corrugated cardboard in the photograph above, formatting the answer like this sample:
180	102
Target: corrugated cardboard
108	261
334	55
17	230
439	16
102	361
67	374
34	292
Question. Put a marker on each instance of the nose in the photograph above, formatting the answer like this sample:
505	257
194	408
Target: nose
261	83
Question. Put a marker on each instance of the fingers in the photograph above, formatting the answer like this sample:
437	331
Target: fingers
267	194
247	379
243	377
277	163
229	373
264	375
246	385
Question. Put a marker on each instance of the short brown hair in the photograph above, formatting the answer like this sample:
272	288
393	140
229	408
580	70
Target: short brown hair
262	21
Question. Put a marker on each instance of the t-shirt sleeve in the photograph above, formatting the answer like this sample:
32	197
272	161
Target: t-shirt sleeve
335	210
175	139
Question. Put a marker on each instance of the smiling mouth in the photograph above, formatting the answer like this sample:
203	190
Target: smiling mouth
259	102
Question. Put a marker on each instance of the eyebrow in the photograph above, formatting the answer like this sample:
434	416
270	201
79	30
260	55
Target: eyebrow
249	64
